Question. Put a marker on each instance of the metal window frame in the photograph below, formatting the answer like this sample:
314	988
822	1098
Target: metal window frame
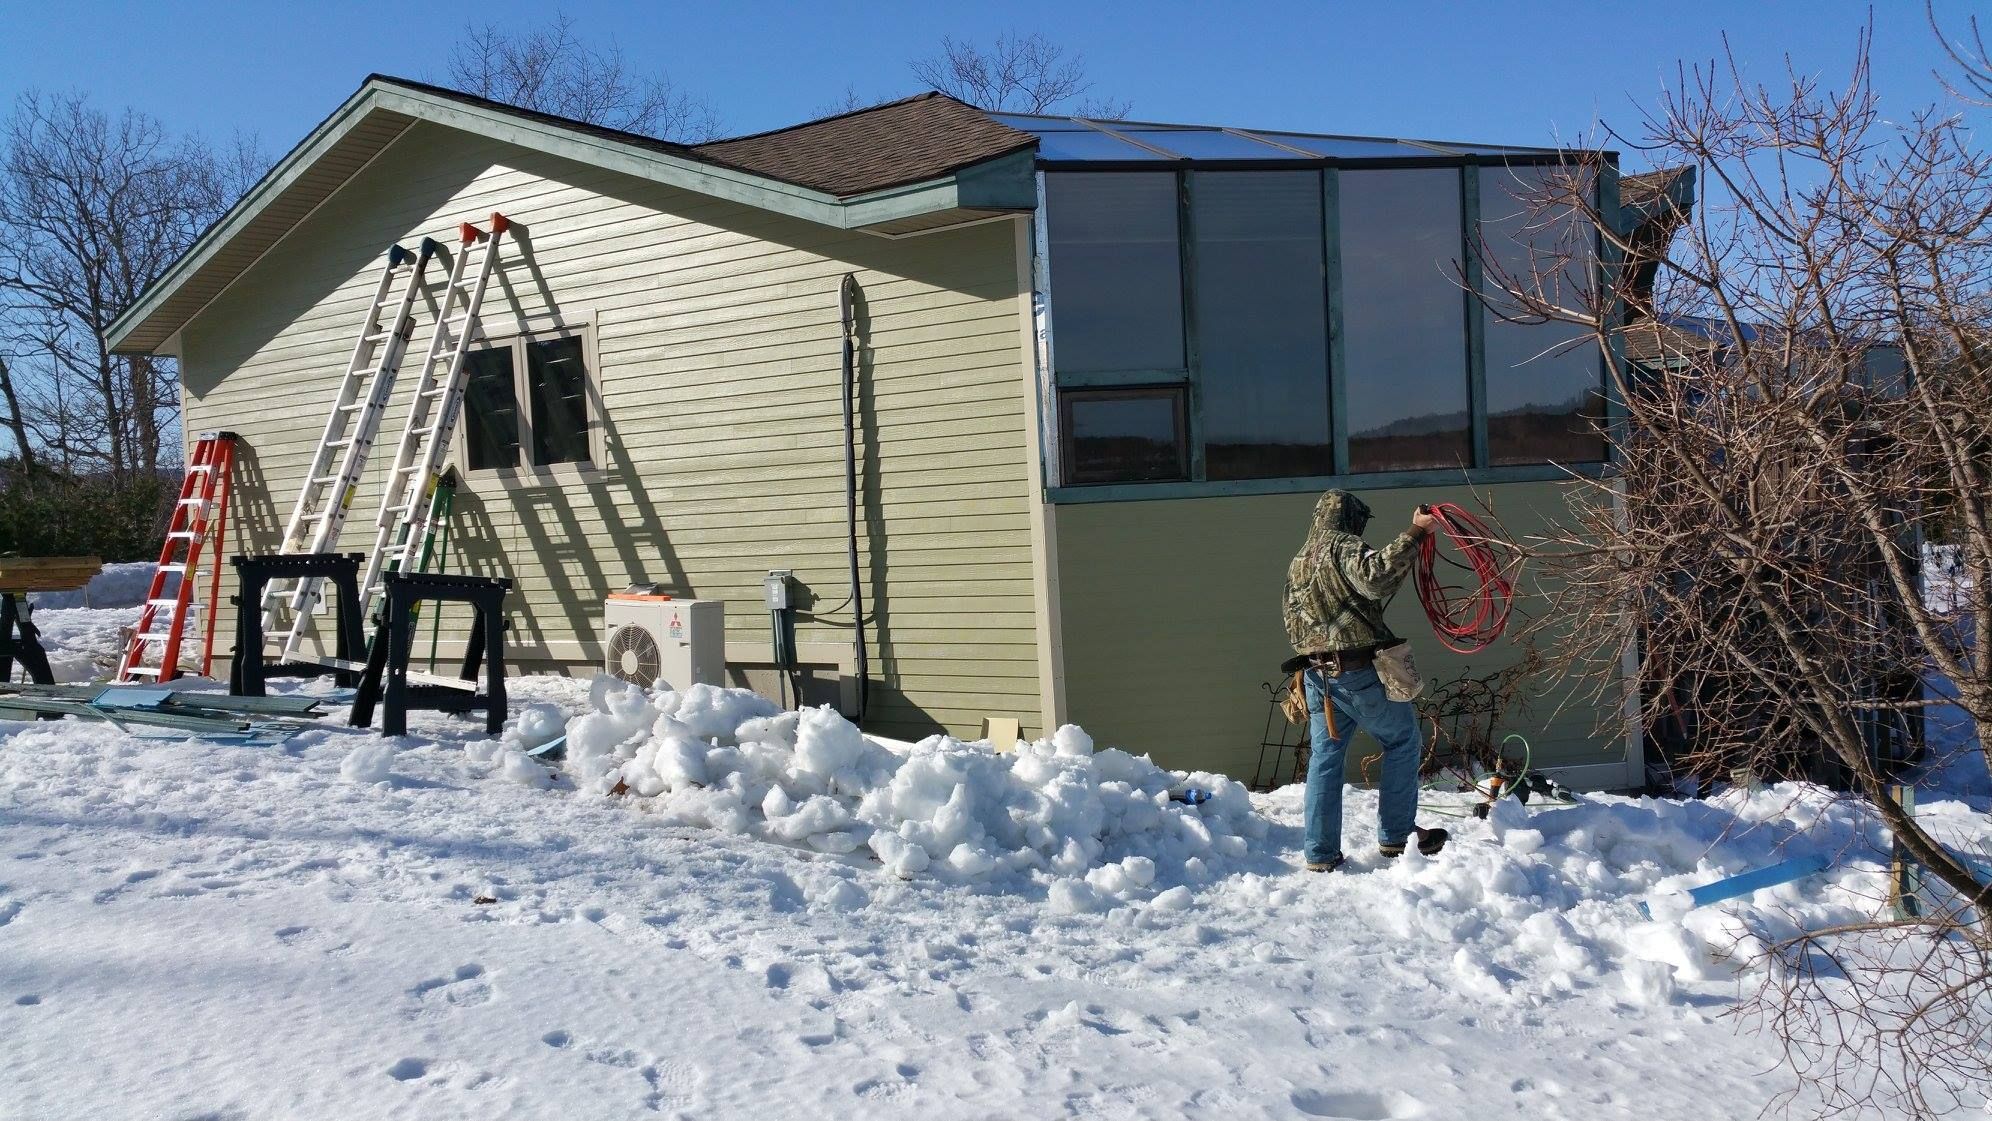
517	337
1176	393
1188	382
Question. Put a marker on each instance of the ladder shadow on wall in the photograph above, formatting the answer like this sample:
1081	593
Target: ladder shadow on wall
545	509
631	525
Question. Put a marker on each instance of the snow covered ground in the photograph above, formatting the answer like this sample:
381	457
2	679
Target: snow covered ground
824	926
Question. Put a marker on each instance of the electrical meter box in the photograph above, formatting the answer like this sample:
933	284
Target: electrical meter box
651	639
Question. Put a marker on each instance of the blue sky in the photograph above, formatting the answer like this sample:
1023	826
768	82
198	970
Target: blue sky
1513	72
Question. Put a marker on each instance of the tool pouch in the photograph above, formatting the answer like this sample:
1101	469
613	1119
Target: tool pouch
1398	672
1293	703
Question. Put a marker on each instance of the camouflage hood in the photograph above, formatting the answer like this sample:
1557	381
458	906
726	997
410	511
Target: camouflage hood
1337	585
1338	512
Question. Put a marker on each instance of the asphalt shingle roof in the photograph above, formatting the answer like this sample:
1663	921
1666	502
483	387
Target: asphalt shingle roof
889	145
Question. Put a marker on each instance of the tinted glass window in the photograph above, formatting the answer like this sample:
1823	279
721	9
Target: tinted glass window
1404	320
557	378
1262	336
1116	281
490	409
1545	381
1124	435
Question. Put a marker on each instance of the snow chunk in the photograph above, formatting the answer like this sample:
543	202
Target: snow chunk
370	762
1649	983
535	725
517	766
1070	739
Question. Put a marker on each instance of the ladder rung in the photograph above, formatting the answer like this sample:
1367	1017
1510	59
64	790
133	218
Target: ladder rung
185	534
180	568
148	671
167	603
352	407
152	636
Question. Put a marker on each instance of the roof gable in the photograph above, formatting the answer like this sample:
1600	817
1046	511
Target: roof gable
919	192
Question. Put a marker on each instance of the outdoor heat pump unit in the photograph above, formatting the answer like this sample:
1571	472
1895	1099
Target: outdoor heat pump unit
652	638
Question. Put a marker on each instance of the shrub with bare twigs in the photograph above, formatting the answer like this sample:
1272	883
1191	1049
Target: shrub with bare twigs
1804	384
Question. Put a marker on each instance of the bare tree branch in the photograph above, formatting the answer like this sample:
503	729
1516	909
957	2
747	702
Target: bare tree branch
1018	74
1809	408
553	70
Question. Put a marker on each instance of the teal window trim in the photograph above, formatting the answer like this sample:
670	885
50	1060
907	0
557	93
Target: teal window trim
1331	282
1476	312
1380	480
1610	262
1186	264
1106	379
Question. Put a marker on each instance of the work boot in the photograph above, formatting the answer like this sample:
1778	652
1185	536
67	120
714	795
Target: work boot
1430	841
1328	865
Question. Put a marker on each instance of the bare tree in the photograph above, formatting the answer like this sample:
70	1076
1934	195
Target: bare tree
1017	74
553	70
1811	404
93	209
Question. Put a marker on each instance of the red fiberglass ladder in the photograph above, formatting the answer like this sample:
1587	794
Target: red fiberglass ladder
200	514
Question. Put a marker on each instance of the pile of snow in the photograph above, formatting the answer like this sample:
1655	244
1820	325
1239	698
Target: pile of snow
123	584
83	643
1100	827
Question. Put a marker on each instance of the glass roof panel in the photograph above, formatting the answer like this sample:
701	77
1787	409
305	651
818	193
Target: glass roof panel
1349	147
1028	123
1090	144
1207	144
1070	140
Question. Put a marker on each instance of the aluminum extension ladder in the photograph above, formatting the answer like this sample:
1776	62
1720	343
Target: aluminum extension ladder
407	503
200	514
349	435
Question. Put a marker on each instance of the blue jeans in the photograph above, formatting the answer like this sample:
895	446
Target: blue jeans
1359	702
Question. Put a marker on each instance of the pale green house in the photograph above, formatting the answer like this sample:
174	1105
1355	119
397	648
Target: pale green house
1105	370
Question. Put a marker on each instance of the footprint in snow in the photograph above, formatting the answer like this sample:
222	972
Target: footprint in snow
305	938
131	880
437	996
902	1083
666	1084
1358	1105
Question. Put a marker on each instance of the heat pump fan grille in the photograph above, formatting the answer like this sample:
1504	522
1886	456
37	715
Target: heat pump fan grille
633	655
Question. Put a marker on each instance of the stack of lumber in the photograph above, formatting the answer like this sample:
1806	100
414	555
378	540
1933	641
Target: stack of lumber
46	574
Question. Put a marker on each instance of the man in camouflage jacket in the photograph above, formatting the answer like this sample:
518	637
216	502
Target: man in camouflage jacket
1336	590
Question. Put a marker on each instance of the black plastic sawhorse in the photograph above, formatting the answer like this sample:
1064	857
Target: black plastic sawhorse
20	638
247	669
386	679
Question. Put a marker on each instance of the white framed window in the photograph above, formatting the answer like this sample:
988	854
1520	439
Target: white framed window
531	402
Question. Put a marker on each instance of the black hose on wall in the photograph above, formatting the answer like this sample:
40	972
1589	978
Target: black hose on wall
847	297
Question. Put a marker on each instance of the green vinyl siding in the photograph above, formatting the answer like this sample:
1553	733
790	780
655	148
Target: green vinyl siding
716	344
1170	622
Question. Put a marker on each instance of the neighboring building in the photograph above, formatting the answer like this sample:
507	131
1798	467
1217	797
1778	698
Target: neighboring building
1106	369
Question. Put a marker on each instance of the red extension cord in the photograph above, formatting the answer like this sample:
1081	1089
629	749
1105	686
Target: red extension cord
1464	620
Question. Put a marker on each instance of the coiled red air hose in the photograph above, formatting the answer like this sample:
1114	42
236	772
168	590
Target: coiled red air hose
1465	619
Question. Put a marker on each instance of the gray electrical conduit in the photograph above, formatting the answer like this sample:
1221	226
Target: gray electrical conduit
847	294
